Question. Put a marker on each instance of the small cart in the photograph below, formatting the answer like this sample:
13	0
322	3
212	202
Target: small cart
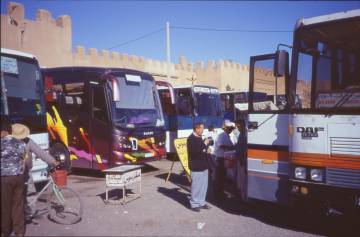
121	177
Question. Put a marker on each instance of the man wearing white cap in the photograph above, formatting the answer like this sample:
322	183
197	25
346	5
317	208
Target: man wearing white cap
222	145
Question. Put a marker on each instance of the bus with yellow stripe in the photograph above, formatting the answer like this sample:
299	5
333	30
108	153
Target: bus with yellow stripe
103	117
308	152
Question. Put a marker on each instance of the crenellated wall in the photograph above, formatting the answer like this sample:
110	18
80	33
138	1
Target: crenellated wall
50	40
47	38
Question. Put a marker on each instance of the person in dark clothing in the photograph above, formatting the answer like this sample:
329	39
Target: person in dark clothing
241	155
12	182
197	155
21	132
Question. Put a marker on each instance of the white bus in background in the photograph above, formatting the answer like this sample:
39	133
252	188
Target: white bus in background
22	100
191	104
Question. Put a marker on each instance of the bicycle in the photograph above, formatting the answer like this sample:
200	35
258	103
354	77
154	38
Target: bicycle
64	205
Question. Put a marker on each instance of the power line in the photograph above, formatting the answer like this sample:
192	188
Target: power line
199	29
136	39
231	30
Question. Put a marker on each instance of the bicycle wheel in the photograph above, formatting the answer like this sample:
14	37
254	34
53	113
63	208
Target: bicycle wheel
65	206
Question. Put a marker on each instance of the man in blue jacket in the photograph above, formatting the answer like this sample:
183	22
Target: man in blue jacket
197	155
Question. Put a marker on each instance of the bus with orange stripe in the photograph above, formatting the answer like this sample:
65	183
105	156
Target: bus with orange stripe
308	152
103	117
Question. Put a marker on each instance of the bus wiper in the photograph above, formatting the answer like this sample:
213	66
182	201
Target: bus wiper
340	103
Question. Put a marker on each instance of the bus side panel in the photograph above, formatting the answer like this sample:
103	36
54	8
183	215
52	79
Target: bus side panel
270	184
268	158
230	115
185	125
171	123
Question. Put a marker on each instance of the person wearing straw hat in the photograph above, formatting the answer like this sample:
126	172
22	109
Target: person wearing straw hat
20	131
12	182
222	145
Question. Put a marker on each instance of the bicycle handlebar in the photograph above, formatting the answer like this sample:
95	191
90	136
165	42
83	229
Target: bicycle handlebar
52	169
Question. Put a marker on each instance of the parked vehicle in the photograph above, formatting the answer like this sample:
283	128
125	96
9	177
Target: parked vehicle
308	151
98	118
23	101
192	104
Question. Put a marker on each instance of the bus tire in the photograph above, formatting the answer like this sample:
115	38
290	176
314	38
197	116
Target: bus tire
59	150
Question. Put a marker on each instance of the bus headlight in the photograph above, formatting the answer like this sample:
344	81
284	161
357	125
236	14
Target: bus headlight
300	173
316	175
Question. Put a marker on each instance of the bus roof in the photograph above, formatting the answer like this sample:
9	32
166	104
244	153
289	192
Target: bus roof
327	18
189	86
17	53
233	92
94	69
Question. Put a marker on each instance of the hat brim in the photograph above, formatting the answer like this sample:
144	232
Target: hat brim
25	131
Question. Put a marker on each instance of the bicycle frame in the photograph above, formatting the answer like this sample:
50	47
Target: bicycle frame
54	188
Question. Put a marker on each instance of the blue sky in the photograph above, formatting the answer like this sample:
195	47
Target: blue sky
104	24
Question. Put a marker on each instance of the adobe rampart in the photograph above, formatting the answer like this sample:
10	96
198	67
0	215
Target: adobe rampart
50	40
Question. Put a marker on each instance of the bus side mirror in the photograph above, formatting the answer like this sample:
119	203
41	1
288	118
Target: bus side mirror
281	65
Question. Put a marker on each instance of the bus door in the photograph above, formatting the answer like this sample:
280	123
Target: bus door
100	129
185	111
167	99
267	162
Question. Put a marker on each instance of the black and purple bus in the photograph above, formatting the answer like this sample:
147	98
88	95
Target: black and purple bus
102	117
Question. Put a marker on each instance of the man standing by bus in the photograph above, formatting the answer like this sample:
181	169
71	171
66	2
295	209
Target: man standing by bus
223	145
241	155
197	155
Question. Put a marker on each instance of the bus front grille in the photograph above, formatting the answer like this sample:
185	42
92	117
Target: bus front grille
347	178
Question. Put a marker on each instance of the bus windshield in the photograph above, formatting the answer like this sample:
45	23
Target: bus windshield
208	104
22	79
330	55
138	103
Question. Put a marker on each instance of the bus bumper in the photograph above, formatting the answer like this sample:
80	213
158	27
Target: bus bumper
345	200
137	158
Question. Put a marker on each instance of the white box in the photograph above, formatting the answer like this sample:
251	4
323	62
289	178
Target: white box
39	171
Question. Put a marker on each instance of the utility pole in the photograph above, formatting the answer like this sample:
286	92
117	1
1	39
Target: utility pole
193	79
168	50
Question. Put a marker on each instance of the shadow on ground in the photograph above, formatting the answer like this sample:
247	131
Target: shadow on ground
298	219
115	194
176	194
90	173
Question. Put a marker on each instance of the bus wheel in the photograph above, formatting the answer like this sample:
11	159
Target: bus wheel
61	153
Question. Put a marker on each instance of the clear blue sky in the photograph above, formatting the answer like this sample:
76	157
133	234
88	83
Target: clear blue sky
103	24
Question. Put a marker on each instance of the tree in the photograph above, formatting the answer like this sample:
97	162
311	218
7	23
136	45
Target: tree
228	88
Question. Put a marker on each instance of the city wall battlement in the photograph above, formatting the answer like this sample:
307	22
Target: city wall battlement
50	40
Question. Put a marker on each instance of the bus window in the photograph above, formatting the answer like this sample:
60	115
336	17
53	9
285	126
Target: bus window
265	82
22	80
303	83
227	101
184	105
74	95
167	106
354	69
208	104
99	104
